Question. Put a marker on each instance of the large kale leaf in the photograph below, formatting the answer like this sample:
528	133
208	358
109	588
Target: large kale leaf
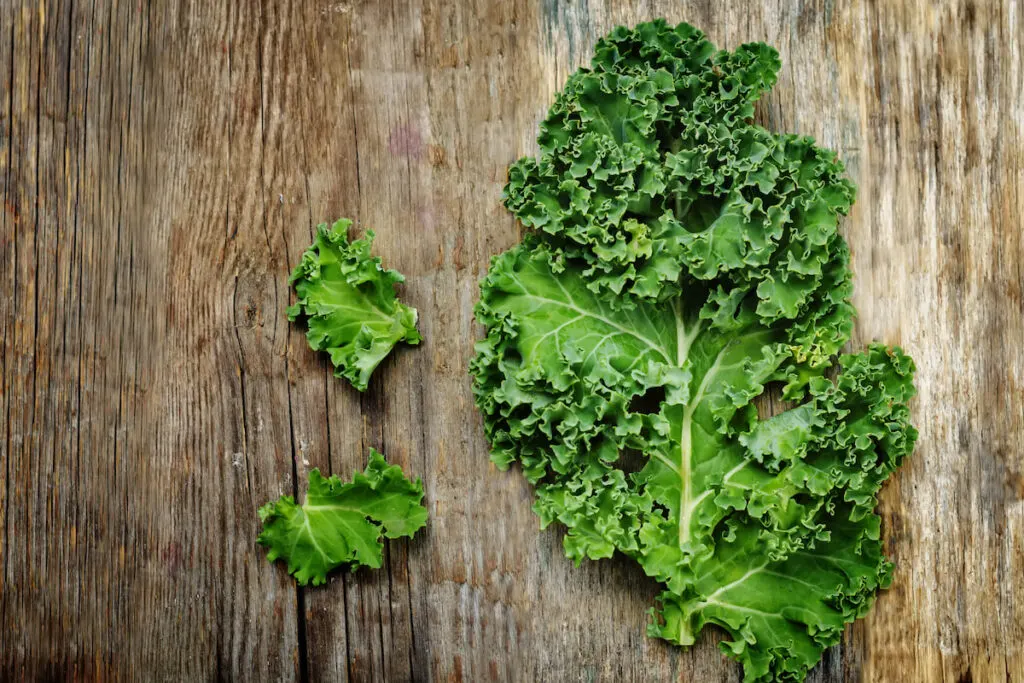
680	260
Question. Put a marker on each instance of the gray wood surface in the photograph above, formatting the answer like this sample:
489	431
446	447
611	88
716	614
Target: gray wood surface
162	165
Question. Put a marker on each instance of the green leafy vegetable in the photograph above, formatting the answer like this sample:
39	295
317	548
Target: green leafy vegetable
342	523
680	260
349	302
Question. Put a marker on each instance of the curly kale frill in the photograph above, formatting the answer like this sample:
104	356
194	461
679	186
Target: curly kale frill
682	258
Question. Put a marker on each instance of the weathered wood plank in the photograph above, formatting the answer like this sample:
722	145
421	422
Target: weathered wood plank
163	165
221	395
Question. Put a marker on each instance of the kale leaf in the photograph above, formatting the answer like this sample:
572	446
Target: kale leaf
348	300
681	259
342	523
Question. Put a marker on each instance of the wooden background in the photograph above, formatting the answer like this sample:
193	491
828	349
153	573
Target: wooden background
163	165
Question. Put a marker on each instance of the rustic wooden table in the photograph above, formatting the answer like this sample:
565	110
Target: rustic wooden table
162	167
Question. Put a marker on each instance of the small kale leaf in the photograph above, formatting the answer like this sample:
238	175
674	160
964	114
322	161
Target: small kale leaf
342	523
349	303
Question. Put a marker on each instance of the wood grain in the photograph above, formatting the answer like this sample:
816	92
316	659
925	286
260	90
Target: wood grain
162	166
